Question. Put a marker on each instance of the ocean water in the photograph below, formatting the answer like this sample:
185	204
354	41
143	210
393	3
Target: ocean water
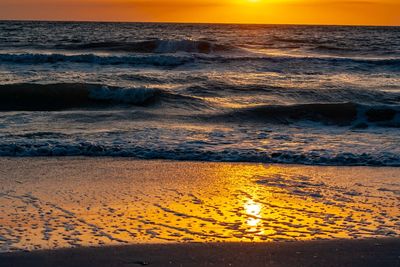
248	93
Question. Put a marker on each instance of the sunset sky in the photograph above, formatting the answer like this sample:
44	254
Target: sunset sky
359	12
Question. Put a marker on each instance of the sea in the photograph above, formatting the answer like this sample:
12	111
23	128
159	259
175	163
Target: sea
316	95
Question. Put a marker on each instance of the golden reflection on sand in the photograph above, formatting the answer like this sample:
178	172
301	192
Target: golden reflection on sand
253	210
52	203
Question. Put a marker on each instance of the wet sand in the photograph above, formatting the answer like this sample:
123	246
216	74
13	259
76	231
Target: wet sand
58	203
340	253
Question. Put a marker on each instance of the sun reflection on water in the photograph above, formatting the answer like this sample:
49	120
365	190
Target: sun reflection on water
253	210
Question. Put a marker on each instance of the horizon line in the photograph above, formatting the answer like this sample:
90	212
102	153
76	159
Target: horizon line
203	23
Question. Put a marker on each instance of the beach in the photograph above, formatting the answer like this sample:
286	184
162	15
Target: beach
89	208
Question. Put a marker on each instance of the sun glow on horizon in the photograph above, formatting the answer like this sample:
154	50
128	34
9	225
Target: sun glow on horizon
337	12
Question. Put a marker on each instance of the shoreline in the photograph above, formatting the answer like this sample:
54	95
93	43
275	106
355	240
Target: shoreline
366	253
168	160
57	203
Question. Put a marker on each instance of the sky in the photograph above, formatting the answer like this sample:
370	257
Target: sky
336	12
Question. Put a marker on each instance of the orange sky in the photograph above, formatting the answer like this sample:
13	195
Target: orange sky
359	12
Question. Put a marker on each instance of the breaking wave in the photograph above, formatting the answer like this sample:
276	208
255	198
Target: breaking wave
342	114
48	97
176	60
99	149
65	96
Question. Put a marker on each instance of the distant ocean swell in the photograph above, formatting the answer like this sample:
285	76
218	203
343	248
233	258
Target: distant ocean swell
175	60
170	46
154	60
154	46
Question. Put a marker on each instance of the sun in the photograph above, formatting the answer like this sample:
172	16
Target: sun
246	2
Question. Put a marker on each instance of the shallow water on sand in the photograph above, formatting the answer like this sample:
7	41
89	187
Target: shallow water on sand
55	203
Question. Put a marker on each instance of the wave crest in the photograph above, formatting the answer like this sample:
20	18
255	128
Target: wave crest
100	149
151	60
48	97
342	114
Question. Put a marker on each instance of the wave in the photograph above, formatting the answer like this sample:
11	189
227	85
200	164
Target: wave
60	148
313	59
337	48
155	46
152	60
297	40
67	96
160	60
298	95
342	114
74	96
48	97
